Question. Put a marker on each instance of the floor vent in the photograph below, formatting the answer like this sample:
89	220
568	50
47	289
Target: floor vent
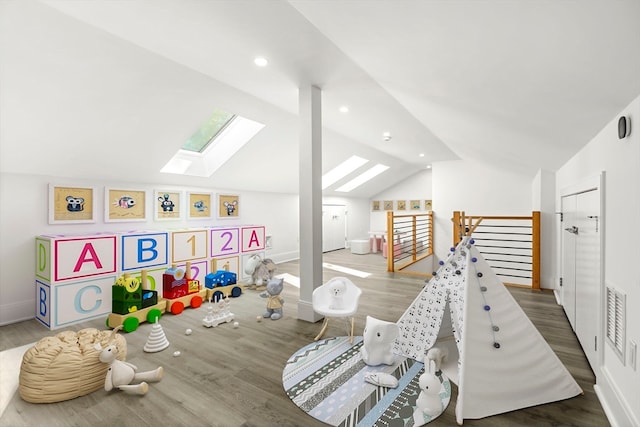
616	320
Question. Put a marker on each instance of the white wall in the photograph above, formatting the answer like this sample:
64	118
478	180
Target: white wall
23	216
543	200
477	189
618	384
416	187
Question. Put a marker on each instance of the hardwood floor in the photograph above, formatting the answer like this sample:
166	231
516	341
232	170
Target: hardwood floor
233	377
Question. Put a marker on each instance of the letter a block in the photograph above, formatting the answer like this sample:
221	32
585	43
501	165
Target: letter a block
60	258
253	238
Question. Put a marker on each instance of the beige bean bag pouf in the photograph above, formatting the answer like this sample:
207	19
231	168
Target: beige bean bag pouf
66	365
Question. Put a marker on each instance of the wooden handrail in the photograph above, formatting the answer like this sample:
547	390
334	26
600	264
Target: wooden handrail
464	225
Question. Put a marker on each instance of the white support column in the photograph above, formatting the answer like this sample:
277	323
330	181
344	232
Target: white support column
310	199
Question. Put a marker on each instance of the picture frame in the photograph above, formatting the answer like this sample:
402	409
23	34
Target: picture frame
428	205
401	205
375	205
414	205
72	205
388	205
199	205
167	205
228	206
125	205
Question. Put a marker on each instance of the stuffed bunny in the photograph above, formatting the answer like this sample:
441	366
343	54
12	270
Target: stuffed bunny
428	402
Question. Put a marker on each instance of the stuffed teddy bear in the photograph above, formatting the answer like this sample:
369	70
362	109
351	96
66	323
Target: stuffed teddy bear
378	336
122	374
274	302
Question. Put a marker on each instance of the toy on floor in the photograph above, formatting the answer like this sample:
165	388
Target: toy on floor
122	374
261	271
428	401
274	301
382	379
437	355
378	337
222	283
218	313
157	340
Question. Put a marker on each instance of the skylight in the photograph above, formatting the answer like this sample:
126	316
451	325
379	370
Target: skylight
362	178
213	144
342	170
208	131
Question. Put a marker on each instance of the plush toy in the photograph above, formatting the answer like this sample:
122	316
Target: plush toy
428	401
437	355
261	270
378	337
274	302
121	374
337	290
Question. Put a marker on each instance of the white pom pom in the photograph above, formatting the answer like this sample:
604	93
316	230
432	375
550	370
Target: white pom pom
236	324
188	331
176	353
259	318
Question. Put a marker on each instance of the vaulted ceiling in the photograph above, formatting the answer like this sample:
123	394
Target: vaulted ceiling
111	89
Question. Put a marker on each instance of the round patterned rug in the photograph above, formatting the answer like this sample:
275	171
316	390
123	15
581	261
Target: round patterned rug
326	380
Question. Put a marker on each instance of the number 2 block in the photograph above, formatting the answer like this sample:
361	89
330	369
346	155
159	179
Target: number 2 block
225	241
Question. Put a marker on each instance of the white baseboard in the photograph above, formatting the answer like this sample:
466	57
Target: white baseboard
617	411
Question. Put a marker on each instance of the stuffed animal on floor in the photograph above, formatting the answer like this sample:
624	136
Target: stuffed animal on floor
428	401
378	337
274	302
261	270
437	355
337	290
122	374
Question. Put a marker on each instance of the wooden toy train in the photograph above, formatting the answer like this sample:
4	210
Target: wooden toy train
133	302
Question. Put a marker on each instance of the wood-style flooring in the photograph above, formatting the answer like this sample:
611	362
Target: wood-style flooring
232	377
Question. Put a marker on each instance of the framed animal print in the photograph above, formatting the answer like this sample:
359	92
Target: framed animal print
199	205
168	204
228	206
124	205
71	205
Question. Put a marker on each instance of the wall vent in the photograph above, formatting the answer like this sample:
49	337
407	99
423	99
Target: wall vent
616	320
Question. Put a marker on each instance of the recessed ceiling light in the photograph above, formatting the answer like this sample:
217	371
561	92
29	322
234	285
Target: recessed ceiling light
421	155
386	136
343	109
428	166
260	61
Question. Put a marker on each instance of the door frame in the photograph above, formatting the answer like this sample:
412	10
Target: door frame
595	182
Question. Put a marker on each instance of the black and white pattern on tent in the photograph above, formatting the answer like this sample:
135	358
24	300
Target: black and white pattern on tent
420	324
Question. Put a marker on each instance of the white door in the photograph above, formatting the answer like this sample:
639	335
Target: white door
334	233
569	258
588	273
581	267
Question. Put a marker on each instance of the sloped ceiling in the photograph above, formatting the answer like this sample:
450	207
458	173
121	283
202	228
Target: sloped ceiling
111	89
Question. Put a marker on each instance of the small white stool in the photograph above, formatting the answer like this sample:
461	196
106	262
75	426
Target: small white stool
360	247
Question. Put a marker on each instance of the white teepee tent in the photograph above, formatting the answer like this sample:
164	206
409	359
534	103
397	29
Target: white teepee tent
499	361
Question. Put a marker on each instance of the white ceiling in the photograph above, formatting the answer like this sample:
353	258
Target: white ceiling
120	85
